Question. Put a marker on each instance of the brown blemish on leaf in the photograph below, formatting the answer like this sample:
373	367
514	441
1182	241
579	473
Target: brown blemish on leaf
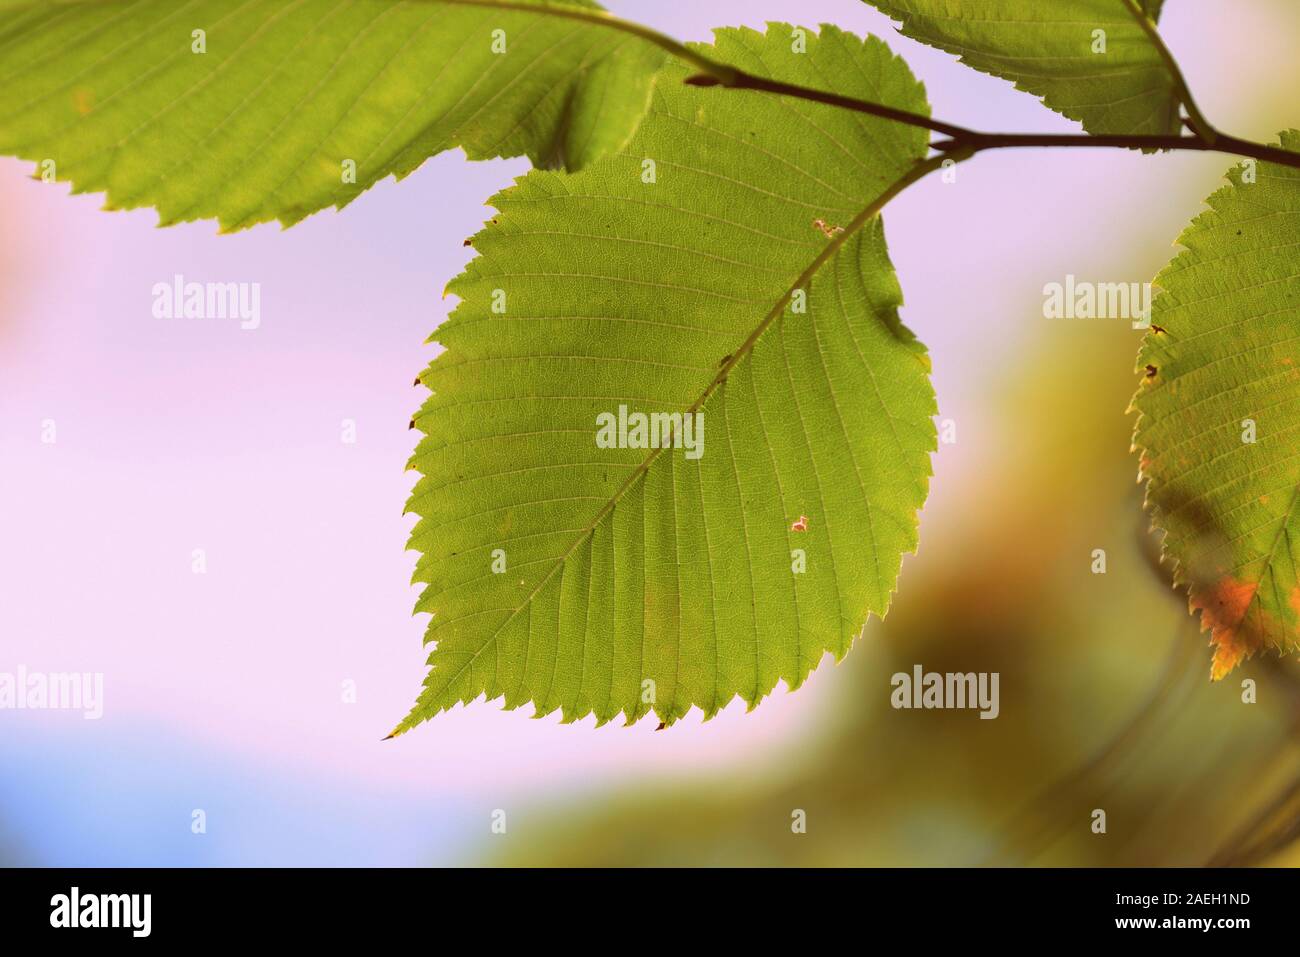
1151	372
830	231
1223	606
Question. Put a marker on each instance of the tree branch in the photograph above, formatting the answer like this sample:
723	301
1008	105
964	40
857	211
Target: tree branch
961	142
978	142
1204	138
747	81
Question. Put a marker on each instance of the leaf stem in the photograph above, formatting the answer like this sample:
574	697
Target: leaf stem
1195	118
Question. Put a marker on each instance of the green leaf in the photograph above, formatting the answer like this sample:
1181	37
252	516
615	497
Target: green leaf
1219	412
262	125
1046	47
625	565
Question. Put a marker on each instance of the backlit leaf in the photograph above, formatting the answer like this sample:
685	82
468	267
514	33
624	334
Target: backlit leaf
253	110
1088	59
715	264
1219	412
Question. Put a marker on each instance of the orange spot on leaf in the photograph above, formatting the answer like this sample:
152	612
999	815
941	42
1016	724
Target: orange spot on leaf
1223	608
801	525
